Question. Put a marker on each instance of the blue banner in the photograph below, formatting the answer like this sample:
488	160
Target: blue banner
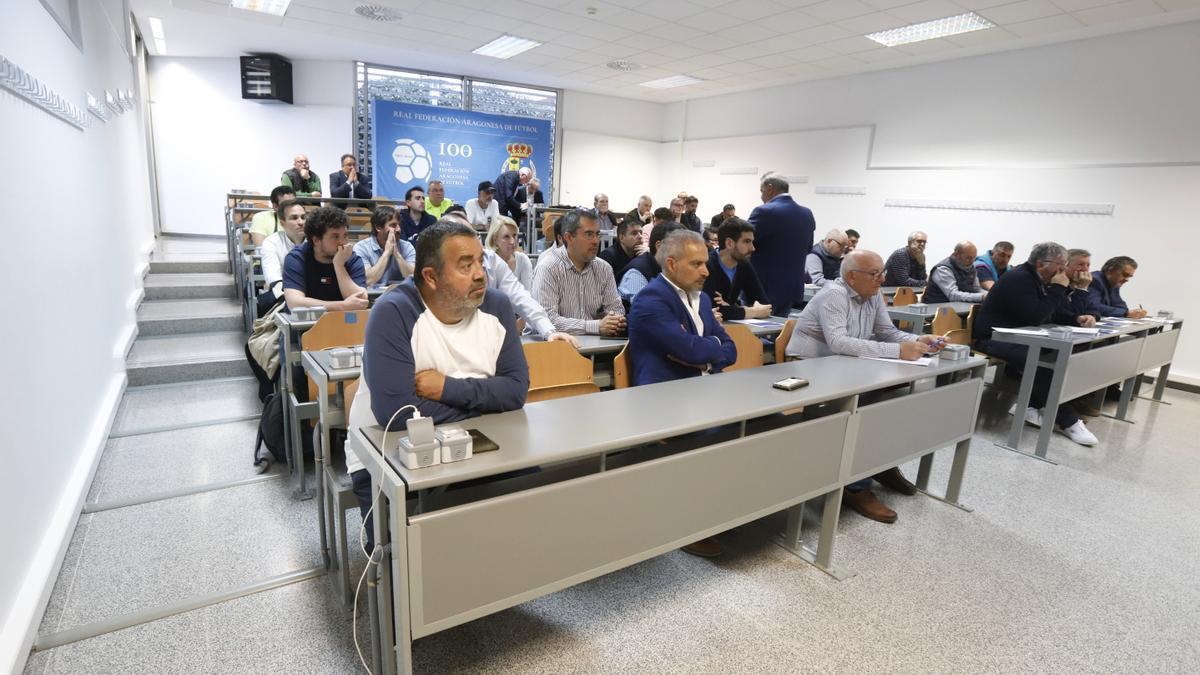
413	144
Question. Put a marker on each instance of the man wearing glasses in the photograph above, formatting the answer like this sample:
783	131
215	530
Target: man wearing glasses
578	290
906	266
849	317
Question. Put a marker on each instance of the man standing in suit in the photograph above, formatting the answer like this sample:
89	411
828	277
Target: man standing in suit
783	236
349	182
506	191
672	331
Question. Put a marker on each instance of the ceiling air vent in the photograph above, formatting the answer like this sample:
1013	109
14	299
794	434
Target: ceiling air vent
378	13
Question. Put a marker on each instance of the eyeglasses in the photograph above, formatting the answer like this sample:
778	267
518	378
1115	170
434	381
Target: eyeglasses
920	242
878	274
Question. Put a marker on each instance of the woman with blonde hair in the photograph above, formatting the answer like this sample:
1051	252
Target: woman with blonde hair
502	238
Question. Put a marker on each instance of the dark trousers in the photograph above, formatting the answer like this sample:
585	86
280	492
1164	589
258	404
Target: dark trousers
361	484
1014	359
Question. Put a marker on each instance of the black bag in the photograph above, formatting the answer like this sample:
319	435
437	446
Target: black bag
266	385
270	429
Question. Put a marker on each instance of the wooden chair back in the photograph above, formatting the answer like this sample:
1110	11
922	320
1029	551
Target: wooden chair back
749	347
970	325
946	320
621	368
904	296
349	389
553	364
561	391
334	329
781	342
958	336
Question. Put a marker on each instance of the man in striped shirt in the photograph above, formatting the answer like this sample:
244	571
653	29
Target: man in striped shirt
578	290
849	317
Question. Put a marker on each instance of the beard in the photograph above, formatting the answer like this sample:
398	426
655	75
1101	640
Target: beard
460	306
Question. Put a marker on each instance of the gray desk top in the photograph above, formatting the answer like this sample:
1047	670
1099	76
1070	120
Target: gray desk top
582	426
289	322
1107	332
929	311
321	359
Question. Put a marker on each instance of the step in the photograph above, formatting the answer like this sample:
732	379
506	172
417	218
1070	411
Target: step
177	317
186	285
184	404
205	264
188	357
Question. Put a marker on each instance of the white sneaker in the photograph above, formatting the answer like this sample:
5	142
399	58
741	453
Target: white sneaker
1080	434
1033	416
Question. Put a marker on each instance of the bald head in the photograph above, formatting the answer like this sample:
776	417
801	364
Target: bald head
862	271
965	252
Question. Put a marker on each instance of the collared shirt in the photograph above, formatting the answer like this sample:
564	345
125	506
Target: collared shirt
501	278
691	302
840	321
370	251
575	300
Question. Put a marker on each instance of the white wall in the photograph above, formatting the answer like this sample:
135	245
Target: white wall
1108	120
80	199
209	140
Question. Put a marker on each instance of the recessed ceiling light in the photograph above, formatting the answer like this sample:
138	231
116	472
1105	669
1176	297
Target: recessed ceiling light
276	7
672	81
928	30
156	28
506	46
378	13
624	66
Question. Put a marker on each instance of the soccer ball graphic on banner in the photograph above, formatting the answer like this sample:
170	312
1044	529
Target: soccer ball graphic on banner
412	161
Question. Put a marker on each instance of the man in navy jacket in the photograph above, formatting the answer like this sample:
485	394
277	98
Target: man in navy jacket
506	185
349	182
783	236
672	331
1104	293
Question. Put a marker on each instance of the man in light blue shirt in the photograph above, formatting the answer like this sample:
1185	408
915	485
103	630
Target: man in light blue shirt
388	258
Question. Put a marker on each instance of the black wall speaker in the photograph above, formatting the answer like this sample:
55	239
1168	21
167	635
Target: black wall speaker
267	77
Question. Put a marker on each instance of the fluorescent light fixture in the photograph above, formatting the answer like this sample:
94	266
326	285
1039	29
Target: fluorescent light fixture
276	7
160	46
928	30
739	171
670	82
156	28
1017	207
506	47
840	189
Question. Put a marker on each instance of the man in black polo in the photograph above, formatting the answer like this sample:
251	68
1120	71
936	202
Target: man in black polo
414	220
324	271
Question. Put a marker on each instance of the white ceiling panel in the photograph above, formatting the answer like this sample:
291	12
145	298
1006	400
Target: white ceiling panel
926	10
1122	11
870	23
1048	25
836	10
1026	10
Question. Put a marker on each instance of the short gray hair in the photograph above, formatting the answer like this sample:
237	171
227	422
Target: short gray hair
1073	253
596	199
572	220
913	235
1046	251
673	245
836	235
851	260
779	183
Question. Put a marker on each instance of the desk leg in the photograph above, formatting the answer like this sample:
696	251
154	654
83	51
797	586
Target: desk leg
1032	356
1160	385
401	619
923	472
822	557
320	448
1053	400
1127	388
954	484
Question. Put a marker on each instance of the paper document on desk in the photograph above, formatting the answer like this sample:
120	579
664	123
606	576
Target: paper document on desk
923	361
1079	330
1020	331
755	322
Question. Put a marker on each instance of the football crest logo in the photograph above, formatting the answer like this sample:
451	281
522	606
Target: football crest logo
412	161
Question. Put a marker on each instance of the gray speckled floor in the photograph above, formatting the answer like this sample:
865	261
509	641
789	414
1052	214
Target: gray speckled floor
1085	567
159	406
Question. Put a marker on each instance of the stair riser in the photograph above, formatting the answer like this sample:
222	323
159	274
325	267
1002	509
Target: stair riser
187	372
204	324
189	292
186	267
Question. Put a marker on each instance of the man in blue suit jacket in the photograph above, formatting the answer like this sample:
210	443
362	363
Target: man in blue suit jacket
672	331
349	182
783	237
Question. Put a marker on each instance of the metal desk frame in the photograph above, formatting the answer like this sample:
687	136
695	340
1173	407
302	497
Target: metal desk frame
290	330
924	315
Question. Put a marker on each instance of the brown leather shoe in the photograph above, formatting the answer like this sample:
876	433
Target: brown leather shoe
868	505
705	548
893	479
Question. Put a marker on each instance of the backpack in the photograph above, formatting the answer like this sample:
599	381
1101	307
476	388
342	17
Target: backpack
262	351
270	429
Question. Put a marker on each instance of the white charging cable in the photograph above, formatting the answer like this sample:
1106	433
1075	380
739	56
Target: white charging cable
362	536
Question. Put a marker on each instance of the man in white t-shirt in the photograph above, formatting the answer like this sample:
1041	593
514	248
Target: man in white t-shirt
482	209
276	247
440	341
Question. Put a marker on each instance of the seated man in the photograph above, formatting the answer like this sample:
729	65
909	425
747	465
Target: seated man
954	278
578	291
266	223
529	195
388	258
552	235
301	179
689	218
661	215
1031	294
349	182
672	331
727	211
440	342
906	266
645	267
992	264
275	248
605	218
825	260
323	271
414	220
849	317
1104	291
436	204
644	211
483	208
732	282
711	239
852	235
624	249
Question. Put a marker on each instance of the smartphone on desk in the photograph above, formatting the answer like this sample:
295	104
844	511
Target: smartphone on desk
481	443
790	383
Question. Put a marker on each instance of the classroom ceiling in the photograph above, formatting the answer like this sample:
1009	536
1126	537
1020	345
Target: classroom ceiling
732	45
